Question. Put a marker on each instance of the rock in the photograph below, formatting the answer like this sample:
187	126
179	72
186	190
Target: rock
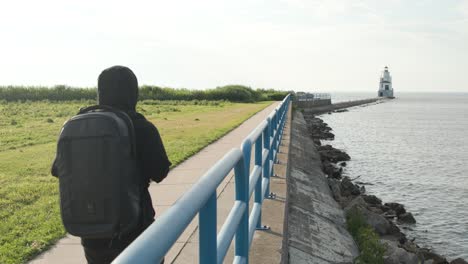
376	210
317	142
395	230
459	261
343	164
395	255
429	255
362	189
372	199
407	218
335	187
390	214
331	154
385	208
410	246
356	202
332	170
348	188
325	148
381	225
398	208
318	129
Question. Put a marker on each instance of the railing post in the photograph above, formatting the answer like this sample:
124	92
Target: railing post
267	145
242	194
272	156
258	185
207	232
246	151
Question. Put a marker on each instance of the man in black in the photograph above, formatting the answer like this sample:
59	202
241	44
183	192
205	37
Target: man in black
118	88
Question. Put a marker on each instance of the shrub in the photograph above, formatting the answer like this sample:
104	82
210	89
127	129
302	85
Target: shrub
232	93
371	251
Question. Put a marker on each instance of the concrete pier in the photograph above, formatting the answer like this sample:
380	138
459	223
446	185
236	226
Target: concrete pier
316	223
337	106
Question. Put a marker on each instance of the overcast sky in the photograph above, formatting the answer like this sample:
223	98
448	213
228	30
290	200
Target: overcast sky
308	45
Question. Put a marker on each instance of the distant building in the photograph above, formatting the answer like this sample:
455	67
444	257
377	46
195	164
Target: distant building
385	86
308	100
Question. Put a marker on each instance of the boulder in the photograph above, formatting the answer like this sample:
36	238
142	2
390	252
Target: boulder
335	187
319	129
395	230
398	208
406	218
317	141
331	154
458	261
348	188
356	202
372	200
362	189
410	246
376	210
390	214
427	254
325	148
395	255
332	170
384	208
381	225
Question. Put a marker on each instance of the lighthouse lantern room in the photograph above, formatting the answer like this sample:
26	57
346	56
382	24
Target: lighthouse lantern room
385	86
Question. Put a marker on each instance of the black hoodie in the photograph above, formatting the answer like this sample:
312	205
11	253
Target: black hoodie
118	87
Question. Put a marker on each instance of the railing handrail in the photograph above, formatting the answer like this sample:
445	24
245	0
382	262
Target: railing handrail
153	244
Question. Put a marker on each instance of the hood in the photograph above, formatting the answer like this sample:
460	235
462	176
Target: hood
118	87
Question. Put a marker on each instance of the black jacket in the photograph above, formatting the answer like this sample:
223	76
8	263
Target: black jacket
118	87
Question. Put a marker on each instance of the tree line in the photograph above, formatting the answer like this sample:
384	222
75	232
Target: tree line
233	93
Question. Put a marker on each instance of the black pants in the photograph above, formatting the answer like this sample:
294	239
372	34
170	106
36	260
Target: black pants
103	255
104	251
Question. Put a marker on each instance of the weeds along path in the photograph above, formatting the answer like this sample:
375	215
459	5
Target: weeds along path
29	211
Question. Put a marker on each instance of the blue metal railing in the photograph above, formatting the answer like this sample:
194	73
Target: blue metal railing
153	244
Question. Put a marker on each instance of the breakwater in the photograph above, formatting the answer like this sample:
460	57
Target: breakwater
338	106
389	220
316	224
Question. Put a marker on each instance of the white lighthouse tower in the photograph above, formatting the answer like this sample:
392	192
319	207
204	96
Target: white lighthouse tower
385	86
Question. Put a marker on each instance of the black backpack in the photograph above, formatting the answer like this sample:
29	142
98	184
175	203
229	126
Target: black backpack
96	165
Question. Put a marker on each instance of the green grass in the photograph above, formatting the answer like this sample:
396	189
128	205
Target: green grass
29	210
370	249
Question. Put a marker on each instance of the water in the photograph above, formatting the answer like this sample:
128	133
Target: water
415	150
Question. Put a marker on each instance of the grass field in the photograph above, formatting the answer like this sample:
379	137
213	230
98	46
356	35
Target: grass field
29	211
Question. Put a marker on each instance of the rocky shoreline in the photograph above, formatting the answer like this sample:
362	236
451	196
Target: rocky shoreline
387	219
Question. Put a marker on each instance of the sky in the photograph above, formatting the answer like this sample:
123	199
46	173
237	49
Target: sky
301	45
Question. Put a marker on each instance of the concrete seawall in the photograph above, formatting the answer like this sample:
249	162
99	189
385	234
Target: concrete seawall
316	225
337	106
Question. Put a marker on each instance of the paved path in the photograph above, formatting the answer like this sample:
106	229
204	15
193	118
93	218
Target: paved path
179	180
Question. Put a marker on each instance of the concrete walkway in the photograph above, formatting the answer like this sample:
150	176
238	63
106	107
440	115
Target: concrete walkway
179	180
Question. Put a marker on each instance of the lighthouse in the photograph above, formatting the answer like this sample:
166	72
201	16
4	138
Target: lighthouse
385	86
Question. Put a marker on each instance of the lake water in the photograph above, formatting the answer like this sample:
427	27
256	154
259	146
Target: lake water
414	149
